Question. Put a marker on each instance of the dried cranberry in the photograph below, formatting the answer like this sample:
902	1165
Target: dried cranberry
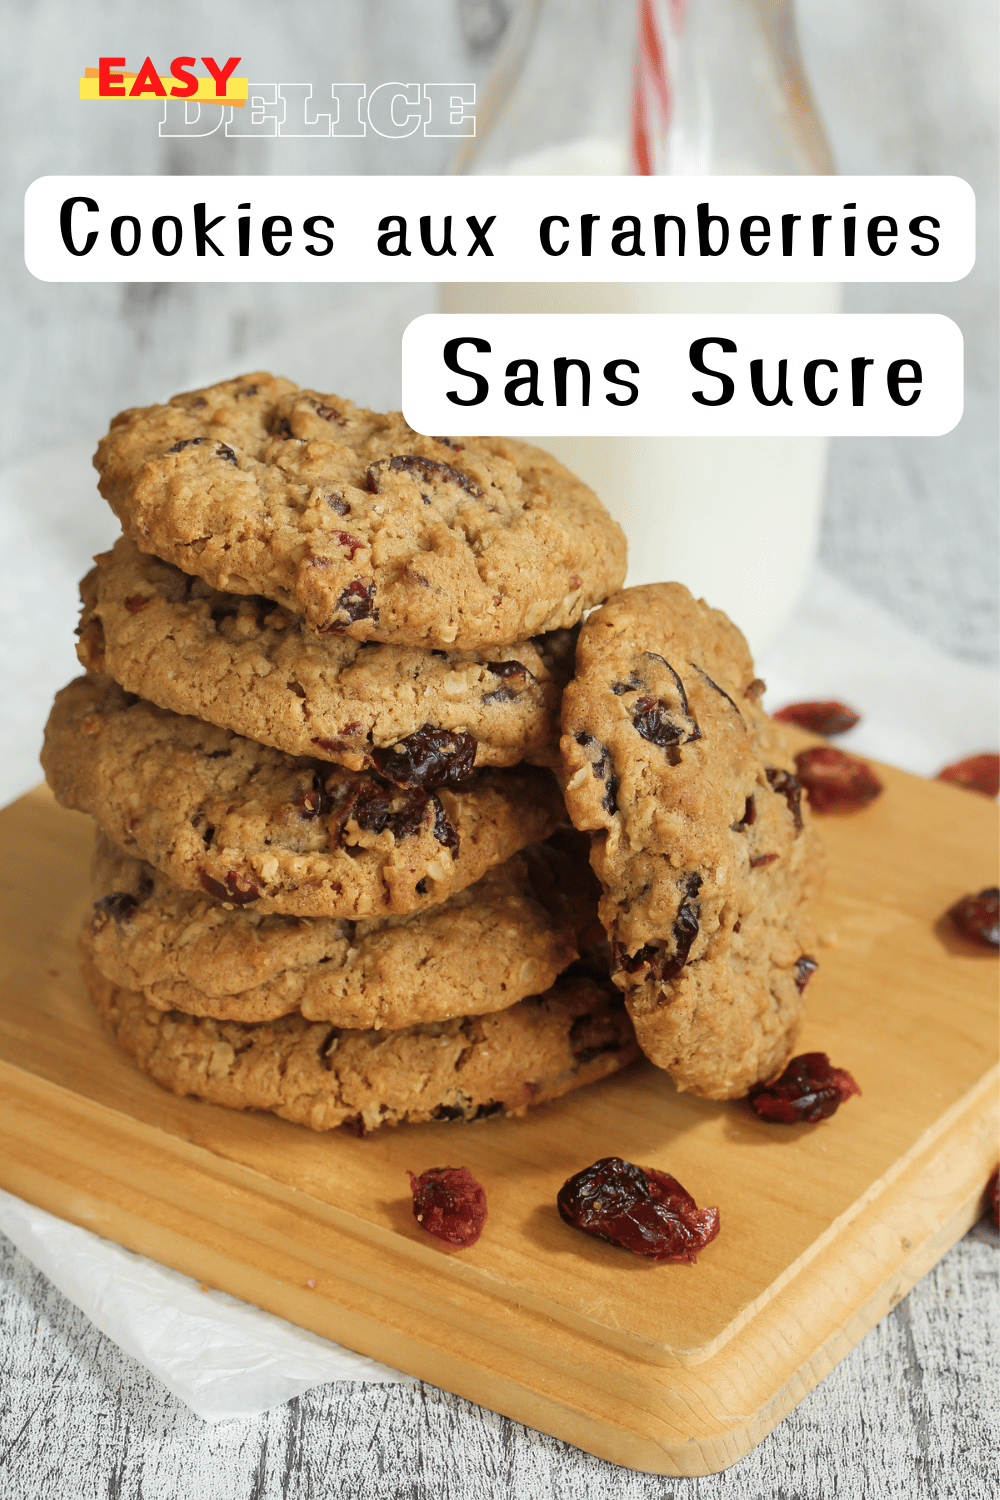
350	544
136	602
450	1204
836	782
367	804
819	718
993	1198
749	817
117	904
808	1090
603	771
758	860
639	1209
685	927
978	773
803	969
236	890
376	808
978	917
655	720
357	602
652	719
329	415
789	787
661	964
444	831
403	821
512	674
428	758
631	963
427	469
313	802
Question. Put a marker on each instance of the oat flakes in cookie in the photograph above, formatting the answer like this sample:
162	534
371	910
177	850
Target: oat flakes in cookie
701	837
249	825
318	1075
247	664
351	519
483	949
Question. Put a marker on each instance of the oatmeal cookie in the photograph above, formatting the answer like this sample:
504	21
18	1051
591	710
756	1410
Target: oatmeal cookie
318	1075
247	664
249	825
353	520
481	950
701	837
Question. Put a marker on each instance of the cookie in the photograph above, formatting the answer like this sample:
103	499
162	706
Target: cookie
353	520
248	825
319	1075
481	950
701	837
246	664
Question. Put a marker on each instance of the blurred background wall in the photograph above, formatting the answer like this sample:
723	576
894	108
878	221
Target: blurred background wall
904	86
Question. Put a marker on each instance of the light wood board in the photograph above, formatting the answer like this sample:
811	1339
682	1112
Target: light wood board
670	1369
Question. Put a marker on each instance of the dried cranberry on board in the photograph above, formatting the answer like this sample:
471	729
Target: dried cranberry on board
638	1209
978	773
831	717
978	916
993	1198
835	781
450	1204
809	1090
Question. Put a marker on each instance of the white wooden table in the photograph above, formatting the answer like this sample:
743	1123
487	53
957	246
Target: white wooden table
909	1415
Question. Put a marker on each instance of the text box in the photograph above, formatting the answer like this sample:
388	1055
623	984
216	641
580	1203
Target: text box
690	374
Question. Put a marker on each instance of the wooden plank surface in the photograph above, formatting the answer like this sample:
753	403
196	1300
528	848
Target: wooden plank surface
680	1373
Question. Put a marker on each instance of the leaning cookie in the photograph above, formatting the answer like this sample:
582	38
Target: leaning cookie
321	1076
246	664
248	825
481	950
702	841
353	520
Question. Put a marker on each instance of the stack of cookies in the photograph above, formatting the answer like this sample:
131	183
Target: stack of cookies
338	706
318	733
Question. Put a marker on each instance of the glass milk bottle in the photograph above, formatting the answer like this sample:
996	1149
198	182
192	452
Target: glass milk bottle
670	87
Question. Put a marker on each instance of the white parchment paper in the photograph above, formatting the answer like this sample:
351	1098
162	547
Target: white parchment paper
221	1356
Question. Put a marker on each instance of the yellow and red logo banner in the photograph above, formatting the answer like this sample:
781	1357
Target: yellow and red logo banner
111	80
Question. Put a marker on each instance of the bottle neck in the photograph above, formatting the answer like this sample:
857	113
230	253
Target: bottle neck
649	87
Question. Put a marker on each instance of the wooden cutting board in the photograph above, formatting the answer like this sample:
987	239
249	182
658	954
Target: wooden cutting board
670	1369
